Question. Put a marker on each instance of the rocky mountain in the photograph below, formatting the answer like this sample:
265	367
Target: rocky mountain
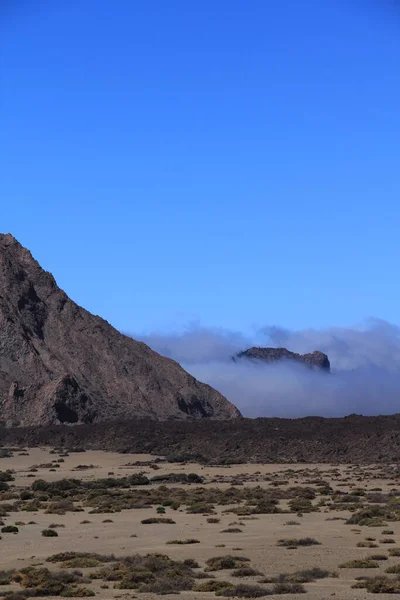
315	360
61	364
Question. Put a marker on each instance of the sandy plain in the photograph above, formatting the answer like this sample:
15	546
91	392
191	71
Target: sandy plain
257	537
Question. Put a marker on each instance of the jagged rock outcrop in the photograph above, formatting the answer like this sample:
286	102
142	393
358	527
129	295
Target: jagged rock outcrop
316	360
61	364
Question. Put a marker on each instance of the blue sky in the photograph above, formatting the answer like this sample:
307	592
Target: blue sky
233	163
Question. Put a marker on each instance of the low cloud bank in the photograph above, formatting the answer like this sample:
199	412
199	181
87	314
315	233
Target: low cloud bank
365	362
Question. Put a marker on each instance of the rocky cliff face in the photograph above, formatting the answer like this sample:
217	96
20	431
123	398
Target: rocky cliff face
316	360
61	364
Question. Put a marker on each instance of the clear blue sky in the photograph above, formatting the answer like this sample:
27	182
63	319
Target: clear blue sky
235	162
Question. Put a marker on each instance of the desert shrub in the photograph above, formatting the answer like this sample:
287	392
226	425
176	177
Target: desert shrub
304	576
25	495
61	507
161	520
387	532
214	585
77	592
202	508
177	478
380	585
42	582
80	563
220	563
372	516
63	557
366	545
56	525
9	529
232	530
153	573
6	453
243	590
294	543
245	572
193	564
303	505
49	533
291	523
213	520
394	552
288	588
359	564
6	577
377	557
387	541
181	542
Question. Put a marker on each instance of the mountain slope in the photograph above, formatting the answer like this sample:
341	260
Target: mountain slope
61	364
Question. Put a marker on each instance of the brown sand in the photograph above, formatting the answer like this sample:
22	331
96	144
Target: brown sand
257	540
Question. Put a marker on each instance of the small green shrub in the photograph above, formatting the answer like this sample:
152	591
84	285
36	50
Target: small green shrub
9	529
49	533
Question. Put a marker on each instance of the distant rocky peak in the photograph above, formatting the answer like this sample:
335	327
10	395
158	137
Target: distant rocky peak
314	360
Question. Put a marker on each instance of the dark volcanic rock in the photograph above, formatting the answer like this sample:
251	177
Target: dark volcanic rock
317	360
352	439
61	364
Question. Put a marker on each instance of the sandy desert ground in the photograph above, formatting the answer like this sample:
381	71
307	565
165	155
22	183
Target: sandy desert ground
275	502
